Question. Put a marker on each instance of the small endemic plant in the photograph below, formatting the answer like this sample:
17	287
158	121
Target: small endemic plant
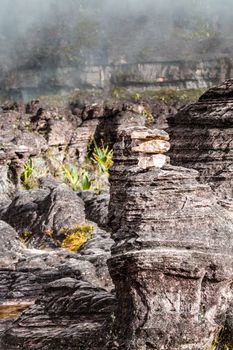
27	178
77	180
103	157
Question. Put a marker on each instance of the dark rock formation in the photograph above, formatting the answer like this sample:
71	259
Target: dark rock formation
96	207
65	287
39	210
172	259
72	315
201	138
34	214
11	247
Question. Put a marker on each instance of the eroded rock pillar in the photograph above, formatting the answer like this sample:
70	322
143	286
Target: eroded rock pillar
172	259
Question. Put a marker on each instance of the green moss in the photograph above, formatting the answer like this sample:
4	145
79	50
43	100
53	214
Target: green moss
76	236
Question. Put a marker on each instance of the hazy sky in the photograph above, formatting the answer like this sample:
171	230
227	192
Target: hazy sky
131	28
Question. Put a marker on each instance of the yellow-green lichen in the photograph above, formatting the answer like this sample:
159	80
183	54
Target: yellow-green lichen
76	236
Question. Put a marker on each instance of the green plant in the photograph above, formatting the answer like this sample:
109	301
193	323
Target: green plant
103	157
148	115
85	181
136	96
28	181
71	176
76	236
77	180
26	235
28	170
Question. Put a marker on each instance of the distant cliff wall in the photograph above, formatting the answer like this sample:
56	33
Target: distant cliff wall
179	74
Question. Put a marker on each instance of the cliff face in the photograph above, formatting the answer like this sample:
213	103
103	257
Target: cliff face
201	138
190	74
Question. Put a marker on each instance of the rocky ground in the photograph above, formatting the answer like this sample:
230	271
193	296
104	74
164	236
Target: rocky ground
36	270
153	263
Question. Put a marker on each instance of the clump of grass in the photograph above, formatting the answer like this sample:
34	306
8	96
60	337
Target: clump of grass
27	179
32	171
76	236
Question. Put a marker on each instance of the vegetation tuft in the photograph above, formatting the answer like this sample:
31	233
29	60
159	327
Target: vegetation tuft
76	236
27	178
102	156
158	95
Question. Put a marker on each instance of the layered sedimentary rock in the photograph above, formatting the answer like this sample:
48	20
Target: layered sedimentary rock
172	260
160	74
54	136
201	138
60	290
72	315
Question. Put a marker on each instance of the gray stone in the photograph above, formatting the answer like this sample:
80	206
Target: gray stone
201	139
172	258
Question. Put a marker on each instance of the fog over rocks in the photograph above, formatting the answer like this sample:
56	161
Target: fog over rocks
62	33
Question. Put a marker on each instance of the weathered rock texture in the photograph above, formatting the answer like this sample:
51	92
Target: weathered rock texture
201	138
37	212
72	315
172	260
66	287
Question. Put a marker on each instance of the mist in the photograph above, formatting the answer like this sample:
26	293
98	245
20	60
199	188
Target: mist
48	33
